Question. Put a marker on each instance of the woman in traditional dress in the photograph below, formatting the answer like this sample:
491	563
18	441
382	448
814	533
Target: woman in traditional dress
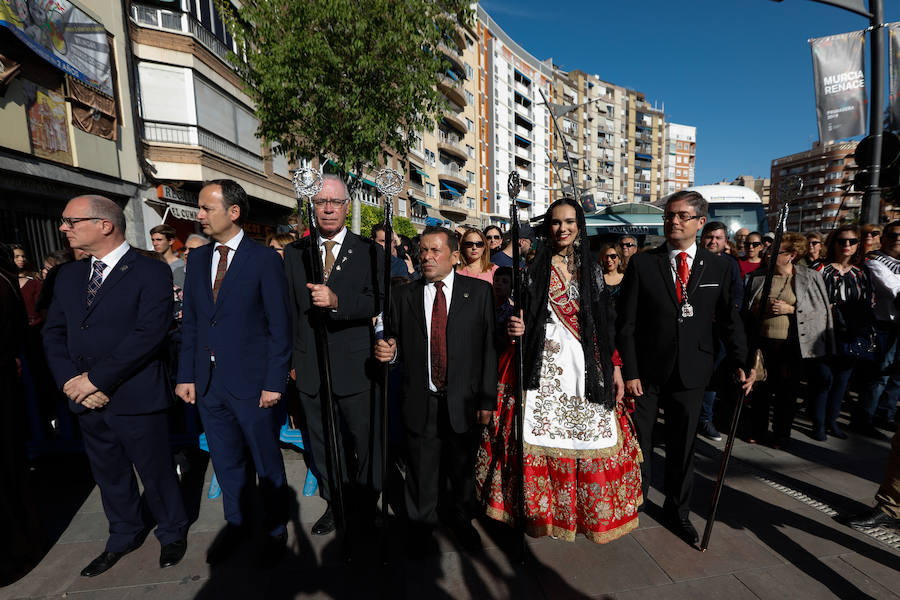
581	459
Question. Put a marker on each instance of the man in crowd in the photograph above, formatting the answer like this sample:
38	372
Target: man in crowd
714	239
503	258
740	236
398	265
345	304
234	360
193	241
883	388
886	512
671	298
628	246
444	334
163	237
103	339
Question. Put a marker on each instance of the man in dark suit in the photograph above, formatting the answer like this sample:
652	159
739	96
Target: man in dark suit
671	296
443	331
345	304
103	338
235	353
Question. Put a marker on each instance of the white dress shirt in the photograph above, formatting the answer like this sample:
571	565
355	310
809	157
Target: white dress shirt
673	260
110	260
233	243
430	292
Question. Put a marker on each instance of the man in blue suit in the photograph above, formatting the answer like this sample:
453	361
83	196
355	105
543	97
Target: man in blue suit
234	361
103	338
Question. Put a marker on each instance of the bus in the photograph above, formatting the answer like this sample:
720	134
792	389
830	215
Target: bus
735	205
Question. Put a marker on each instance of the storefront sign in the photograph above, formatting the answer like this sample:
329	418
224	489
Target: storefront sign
64	36
184	212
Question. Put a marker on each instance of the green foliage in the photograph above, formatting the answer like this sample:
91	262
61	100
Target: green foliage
372	215
349	77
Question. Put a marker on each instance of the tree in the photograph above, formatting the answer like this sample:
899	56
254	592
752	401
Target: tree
346	77
372	215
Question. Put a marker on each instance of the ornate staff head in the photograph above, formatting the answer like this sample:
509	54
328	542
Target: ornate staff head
307	182
389	182
513	186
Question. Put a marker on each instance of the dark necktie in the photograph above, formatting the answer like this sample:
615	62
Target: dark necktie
439	337
95	282
220	270
683	274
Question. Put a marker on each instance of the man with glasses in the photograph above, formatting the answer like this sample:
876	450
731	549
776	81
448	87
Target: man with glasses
347	303
739	237
628	245
674	298
234	359
103	339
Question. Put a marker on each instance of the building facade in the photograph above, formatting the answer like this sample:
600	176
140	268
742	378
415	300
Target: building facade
680	156
827	198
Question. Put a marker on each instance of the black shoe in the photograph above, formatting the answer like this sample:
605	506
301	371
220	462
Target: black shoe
272	551
818	435
709	431
874	517
870	431
682	527
172	553
103	563
467	536
325	524
836	432
225	543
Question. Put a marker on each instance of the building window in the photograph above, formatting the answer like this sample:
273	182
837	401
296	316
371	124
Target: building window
429	190
470	151
470	98
470	125
470	176
469	72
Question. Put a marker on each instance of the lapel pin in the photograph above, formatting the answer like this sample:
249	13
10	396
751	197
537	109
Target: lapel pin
123	268
338	267
349	250
465	294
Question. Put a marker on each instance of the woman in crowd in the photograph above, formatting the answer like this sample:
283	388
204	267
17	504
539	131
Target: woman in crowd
851	305
613	264
785	340
494	237
29	283
582	471
408	251
869	241
753	247
475	260
278	242
48	275
814	242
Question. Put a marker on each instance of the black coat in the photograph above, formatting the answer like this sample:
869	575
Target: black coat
471	357
355	280
655	341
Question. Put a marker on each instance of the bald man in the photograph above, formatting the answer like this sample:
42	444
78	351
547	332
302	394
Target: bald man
104	340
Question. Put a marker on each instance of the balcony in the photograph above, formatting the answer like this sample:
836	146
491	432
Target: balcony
453	175
523	89
452	89
455	121
524	152
451	144
453	56
191	135
524	132
454	208
179	22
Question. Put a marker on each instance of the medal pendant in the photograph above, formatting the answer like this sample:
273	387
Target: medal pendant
687	310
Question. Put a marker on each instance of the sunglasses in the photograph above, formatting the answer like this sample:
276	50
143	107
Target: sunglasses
874	233
628	245
815	243
492	237
612	257
478	244
847	241
752	244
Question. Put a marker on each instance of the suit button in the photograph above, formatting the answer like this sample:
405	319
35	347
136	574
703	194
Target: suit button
680	320
84	326
213	323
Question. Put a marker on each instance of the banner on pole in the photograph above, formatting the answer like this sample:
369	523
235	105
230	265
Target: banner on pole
839	72
894	35
64	36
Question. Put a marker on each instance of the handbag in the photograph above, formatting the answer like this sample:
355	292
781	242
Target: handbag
859	341
759	365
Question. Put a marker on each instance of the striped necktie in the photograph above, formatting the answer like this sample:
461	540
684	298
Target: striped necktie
95	282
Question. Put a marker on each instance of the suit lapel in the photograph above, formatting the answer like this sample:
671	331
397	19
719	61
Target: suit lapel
122	268
458	299
417	304
344	254
700	260
234	269
84	278
207	274
665	268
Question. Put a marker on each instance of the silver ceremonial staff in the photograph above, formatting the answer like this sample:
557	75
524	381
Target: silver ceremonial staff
787	192
308	183
390	183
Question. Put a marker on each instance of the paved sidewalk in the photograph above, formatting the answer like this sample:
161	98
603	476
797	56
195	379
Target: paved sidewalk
774	539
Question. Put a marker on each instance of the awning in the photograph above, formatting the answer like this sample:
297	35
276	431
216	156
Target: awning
526	119
523	75
432	222
643	156
420	202
422	173
449	188
452	75
521	139
525	202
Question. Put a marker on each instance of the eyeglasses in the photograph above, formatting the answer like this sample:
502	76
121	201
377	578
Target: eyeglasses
628	245
70	222
334	202
874	233
752	244
847	241
682	216
478	244
492	237
815	243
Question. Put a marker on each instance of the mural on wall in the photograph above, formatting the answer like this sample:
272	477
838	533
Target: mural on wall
46	110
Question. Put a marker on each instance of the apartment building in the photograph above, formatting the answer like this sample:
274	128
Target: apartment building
827	198
643	150
65	117
515	130
680	156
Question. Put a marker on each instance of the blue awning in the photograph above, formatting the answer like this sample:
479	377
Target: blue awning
449	188
453	75
521	139
366	181
432	222
643	156
422	173
523	75
525	202
421	203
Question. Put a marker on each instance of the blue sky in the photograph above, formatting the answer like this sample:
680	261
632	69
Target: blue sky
738	70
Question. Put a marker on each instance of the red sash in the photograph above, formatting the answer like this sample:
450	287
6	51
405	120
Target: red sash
565	307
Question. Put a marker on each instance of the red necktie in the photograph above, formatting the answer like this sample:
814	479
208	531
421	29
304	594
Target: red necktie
683	274
439	337
220	269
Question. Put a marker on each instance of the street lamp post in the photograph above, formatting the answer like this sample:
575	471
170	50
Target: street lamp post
871	202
